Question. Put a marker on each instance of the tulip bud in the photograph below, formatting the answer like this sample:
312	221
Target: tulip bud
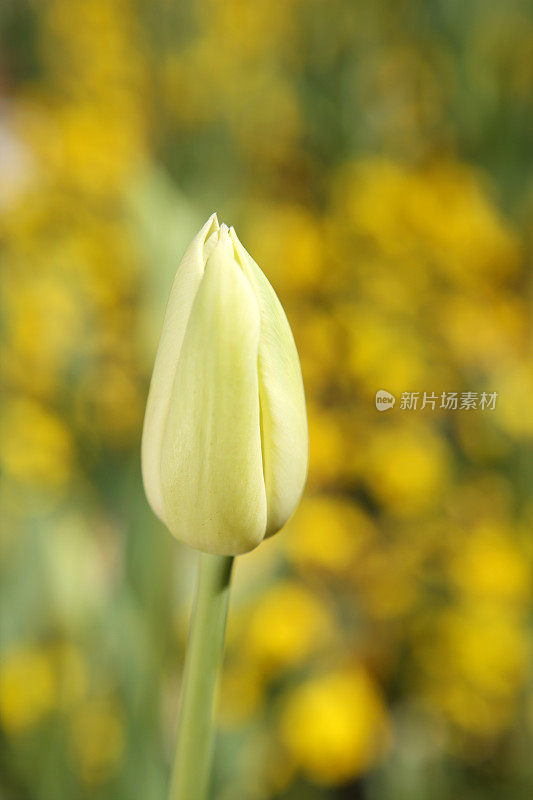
225	442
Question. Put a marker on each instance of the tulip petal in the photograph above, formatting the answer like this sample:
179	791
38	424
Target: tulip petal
284	433
211	466
182	294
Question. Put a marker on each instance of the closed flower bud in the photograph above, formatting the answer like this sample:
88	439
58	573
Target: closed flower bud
225	443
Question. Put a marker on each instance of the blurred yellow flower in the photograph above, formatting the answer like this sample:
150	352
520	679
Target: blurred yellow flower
476	666
383	351
266	768
37	680
241	693
328	449
288	623
327	533
514	410
482	334
491	566
294	257
35	445
474	713
110	403
320	340
28	688
220	75
44	327
490	648
386	580
89	146
441	211
97	741
72	674
334	726
408	468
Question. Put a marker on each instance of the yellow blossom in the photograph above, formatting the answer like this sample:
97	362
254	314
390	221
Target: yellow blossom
28	688
97	741
241	694
408	468
294	257
36	446
288	624
491	566
327	533
334	725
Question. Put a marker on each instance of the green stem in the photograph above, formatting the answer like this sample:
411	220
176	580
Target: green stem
190	775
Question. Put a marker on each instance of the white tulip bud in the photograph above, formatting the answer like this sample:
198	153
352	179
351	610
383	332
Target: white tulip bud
225	441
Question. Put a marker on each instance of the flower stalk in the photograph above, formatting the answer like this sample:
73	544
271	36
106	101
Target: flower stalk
191	771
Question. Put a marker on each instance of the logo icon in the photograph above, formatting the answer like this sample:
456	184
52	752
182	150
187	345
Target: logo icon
384	400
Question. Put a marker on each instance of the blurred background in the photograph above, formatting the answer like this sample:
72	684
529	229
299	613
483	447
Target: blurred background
374	160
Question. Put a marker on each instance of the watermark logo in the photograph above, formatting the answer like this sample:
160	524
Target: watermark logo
384	400
449	401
